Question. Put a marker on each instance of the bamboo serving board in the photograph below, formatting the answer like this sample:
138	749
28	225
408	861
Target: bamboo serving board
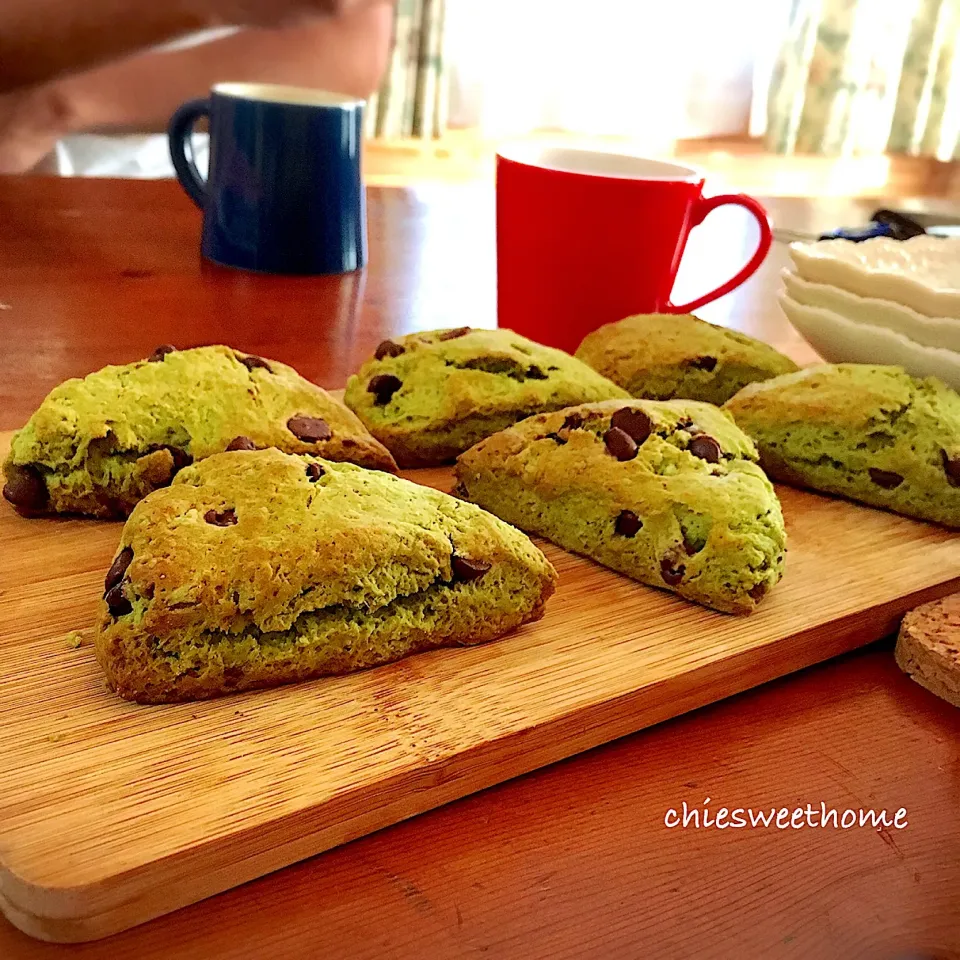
112	813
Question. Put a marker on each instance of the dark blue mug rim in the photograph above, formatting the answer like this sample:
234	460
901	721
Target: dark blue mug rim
311	97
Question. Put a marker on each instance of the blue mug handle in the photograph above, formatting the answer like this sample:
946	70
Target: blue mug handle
178	132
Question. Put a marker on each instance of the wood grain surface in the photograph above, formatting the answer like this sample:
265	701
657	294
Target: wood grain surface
113	813
572	861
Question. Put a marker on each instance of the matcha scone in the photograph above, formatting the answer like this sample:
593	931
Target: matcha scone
667	356
99	445
259	568
667	492
429	396
869	433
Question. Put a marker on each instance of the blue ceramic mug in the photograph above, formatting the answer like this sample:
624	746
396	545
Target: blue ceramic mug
284	193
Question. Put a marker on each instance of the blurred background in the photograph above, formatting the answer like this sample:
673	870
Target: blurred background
777	97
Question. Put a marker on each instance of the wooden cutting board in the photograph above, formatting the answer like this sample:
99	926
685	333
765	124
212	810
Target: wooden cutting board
112	813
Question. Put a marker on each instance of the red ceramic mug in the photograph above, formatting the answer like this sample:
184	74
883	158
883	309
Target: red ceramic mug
586	238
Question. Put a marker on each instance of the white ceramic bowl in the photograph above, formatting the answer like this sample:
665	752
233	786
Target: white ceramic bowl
922	273
927	331
839	340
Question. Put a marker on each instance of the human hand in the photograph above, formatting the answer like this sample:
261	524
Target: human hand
275	13
30	126
42	40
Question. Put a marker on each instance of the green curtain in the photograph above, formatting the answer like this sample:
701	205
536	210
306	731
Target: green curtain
412	100
868	76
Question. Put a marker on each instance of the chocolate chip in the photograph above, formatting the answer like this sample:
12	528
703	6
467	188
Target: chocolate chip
620	444
691	549
535	373
628	523
117	601
241	443
704	363
634	423
384	386
314	472
886	479
952	467
758	591
161	351
221	518
387	348
706	448
309	429
26	490
573	421
465	570
254	363
157	471
453	334
181	458
671	571
117	569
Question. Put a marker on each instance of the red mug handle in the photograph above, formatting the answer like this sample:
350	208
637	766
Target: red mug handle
704	206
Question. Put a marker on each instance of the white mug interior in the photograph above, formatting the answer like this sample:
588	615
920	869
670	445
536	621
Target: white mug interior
278	93
598	163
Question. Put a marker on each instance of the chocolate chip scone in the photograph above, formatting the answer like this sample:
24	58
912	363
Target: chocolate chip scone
429	396
869	433
99	445
254	569
667	356
667	492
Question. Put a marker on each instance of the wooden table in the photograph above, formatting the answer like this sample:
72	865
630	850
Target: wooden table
575	860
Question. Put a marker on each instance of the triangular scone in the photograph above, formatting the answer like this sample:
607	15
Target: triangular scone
870	433
666	492
260	568
429	396
678	356
99	445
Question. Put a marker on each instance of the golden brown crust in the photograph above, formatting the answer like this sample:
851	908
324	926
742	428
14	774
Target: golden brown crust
99	445
705	524
256	568
131	684
430	396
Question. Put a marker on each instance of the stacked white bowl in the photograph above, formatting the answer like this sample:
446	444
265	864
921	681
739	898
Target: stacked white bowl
879	301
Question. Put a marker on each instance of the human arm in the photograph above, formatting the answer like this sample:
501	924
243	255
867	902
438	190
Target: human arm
44	39
346	54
